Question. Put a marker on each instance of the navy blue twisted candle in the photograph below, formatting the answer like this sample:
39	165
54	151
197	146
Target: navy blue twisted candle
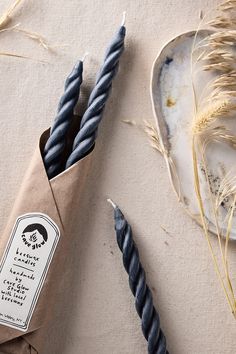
137	282
86	136
56	142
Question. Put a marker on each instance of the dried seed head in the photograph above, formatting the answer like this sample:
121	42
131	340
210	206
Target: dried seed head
227	189
207	117
6	17
223	22
227	6
153	135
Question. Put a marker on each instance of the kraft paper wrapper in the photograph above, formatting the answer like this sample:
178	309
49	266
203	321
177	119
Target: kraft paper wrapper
59	199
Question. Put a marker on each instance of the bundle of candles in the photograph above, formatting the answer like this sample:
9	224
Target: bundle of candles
86	136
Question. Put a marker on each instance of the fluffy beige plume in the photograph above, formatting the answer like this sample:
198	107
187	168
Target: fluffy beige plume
222	38
223	22
228	81
218	52
218	134
207	117
228	6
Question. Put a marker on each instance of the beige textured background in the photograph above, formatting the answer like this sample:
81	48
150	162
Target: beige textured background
97	314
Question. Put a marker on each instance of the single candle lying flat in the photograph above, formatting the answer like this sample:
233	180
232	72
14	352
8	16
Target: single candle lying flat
56	142
86	136
137	282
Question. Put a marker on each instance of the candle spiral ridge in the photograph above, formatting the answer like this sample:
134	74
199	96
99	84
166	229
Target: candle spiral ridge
56	141
137	282
85	139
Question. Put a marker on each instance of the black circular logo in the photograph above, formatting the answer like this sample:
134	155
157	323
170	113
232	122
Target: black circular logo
35	236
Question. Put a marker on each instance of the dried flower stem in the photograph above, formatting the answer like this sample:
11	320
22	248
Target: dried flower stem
4	20
218	56
153	135
204	225
219	236
6	17
207	117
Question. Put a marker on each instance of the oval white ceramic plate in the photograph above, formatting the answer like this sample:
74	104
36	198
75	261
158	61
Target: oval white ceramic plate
172	100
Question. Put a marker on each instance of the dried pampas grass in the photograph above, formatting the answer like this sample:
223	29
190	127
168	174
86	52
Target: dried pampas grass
227	190
153	136
29	34
6	18
207	117
227	6
218	103
151	133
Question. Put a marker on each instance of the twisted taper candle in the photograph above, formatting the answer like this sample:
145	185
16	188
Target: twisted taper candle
56	141
137	282
86	136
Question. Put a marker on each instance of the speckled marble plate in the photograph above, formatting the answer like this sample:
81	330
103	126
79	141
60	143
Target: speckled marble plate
172	99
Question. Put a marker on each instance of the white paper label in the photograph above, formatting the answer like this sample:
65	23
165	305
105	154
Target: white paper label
24	267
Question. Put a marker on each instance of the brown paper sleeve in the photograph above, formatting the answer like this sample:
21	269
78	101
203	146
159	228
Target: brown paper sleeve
59	199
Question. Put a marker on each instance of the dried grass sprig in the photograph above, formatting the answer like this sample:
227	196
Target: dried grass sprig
221	134
218	135
9	29
223	95
153	137
218	52
227	6
218	102
219	56
228	285
226	37
208	116
227	189
157	144
4	21
228	232
29	34
34	36
7	54
226	81
228	295
6	17
222	67
223	22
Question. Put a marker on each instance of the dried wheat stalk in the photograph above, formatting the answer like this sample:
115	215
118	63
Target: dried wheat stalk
6	16
207	117
153	136
4	21
218	56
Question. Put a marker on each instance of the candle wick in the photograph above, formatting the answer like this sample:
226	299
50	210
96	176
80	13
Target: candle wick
85	55
123	19
112	203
